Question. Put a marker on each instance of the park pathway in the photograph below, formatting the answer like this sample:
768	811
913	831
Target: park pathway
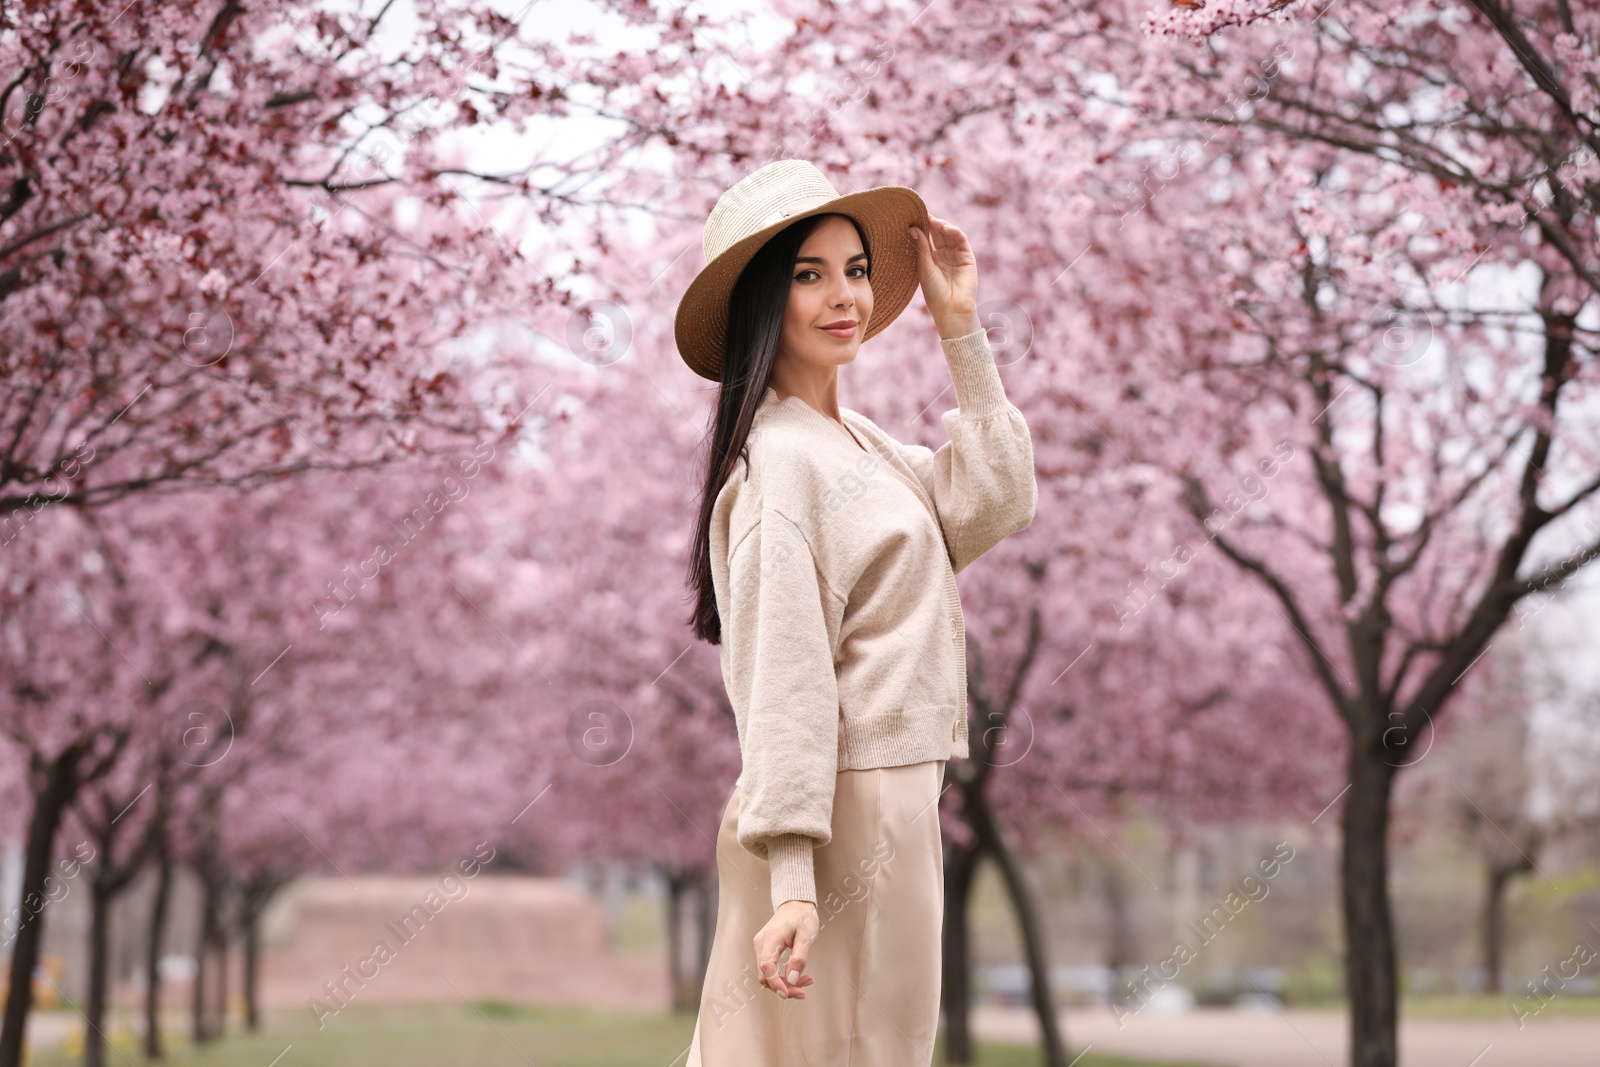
1295	1038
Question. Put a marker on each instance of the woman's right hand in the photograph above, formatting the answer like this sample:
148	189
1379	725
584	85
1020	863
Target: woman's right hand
794	926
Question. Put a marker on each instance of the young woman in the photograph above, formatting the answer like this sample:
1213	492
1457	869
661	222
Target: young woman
824	566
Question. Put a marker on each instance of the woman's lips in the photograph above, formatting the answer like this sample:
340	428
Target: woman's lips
842	332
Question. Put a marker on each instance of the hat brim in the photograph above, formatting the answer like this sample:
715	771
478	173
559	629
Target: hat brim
700	325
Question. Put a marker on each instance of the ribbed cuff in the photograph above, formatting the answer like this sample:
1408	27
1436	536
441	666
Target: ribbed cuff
973	373
793	872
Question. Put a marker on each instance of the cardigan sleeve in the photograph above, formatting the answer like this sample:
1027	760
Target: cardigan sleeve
981	480
781	633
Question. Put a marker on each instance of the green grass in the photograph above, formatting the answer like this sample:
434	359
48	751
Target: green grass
1485	1007
492	1034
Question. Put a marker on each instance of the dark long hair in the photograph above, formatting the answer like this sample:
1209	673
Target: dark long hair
755	325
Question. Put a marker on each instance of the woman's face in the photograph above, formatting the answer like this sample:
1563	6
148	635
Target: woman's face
827	287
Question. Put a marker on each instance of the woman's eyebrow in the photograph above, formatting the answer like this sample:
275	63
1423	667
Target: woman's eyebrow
819	259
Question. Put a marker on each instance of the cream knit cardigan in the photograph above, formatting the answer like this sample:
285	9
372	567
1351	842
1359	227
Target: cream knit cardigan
843	643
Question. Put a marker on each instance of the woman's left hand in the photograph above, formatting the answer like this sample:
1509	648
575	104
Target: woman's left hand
948	271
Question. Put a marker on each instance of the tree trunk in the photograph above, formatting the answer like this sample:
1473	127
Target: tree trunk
682	996
960	871
1369	932
222	982
50	799
252	960
688	971
106	883
94	1013
152	965
1030	930
208	924
1494	928
252	900
197	1000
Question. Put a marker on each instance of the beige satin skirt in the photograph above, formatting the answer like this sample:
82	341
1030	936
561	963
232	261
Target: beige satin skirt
880	901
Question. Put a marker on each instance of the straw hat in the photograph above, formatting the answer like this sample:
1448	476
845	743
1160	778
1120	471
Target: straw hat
764	202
